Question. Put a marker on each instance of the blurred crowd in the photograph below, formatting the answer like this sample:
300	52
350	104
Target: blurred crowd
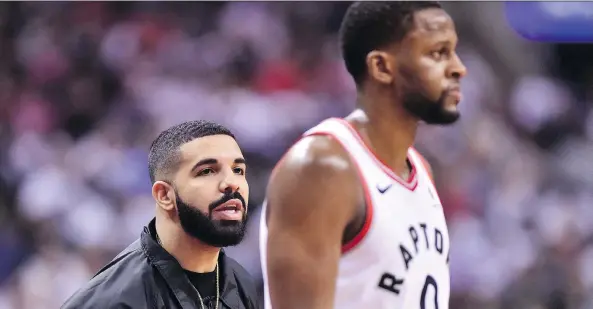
86	86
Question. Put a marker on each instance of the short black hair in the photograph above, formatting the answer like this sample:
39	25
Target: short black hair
164	151
370	25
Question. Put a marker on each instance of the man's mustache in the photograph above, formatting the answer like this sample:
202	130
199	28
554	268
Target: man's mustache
227	197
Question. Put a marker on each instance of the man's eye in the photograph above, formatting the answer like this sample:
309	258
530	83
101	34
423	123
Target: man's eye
439	54
239	170
205	172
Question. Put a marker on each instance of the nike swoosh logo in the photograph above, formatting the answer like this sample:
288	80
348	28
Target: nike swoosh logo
384	189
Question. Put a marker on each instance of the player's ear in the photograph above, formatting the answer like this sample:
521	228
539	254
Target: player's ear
164	195
380	66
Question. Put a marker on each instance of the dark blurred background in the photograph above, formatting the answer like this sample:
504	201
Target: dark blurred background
86	86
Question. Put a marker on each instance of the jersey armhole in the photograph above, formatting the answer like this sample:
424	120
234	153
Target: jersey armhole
368	202
368	205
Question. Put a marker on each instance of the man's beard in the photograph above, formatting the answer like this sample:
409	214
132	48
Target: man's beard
430	111
216	233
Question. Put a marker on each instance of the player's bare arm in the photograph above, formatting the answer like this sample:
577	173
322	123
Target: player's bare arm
313	196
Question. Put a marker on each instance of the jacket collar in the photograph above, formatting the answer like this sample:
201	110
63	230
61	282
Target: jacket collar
177	280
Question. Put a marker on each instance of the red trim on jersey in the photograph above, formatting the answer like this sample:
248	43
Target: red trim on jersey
411	183
357	239
367	194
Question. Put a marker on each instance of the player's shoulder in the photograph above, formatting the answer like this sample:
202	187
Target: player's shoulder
315	170
315	176
316	154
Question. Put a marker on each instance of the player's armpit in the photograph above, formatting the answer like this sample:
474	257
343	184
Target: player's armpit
312	197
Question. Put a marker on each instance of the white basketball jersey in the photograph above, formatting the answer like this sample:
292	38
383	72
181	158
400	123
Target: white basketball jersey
400	257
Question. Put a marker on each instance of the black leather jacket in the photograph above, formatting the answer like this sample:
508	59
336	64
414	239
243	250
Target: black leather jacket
145	276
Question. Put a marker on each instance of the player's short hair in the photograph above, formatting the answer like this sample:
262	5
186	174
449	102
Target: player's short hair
370	25
164	155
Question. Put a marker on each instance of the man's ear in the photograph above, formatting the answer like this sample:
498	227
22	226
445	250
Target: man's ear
164	195
381	66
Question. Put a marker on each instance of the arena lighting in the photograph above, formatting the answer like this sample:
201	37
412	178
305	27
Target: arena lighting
560	22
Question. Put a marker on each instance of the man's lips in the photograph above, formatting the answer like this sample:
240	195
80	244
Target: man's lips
456	93
234	204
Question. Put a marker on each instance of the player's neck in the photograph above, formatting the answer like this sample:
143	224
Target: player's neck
190	253
389	131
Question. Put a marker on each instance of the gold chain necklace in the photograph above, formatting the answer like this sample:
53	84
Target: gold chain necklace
158	240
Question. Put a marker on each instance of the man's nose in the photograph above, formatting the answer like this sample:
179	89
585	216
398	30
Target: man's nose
228	184
457	69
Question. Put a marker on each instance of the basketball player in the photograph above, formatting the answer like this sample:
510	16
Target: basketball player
352	219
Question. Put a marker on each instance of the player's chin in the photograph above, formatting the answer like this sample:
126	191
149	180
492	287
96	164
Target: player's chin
447	114
450	114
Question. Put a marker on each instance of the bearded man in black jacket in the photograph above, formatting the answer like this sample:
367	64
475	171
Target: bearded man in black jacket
198	174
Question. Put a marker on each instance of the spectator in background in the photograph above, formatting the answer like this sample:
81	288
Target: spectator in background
199	185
